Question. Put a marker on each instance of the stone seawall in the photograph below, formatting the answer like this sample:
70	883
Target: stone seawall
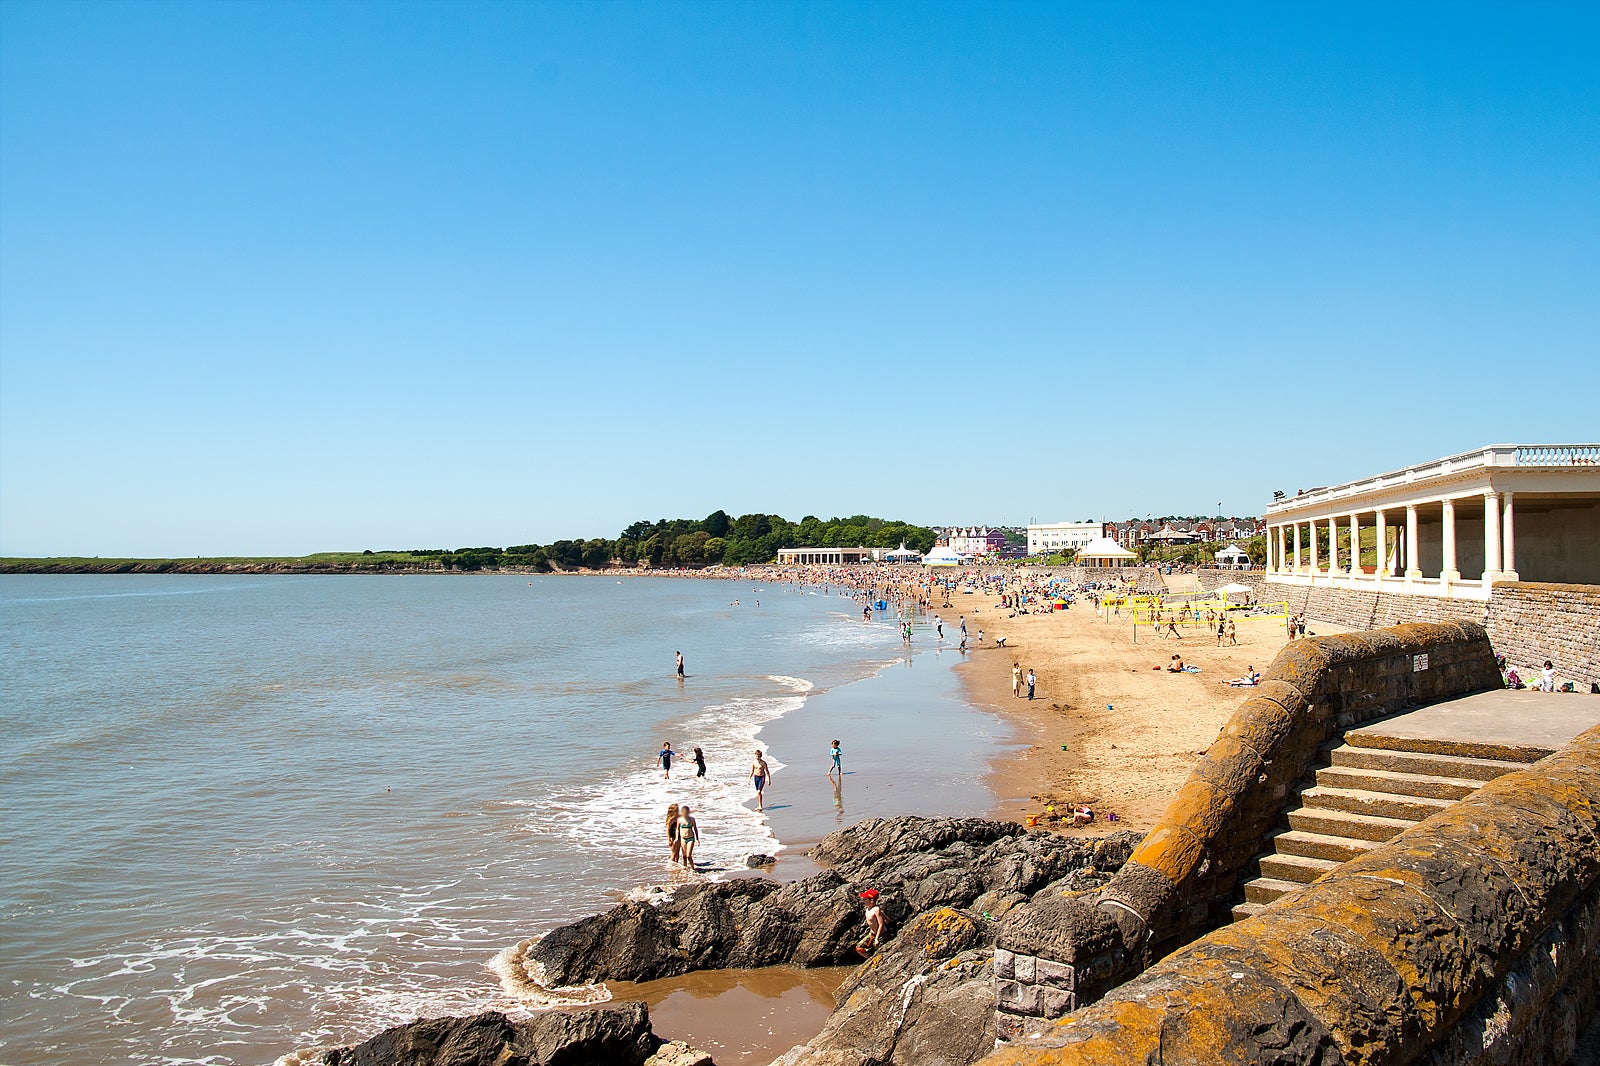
1528	622
1183	878
1471	939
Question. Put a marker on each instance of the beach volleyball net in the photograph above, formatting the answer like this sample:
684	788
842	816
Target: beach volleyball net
1199	615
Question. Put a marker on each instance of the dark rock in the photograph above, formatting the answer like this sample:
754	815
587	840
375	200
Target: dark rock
756	861
613	1036
925	998
916	864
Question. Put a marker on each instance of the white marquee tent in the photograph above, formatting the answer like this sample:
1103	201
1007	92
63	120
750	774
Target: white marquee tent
1105	552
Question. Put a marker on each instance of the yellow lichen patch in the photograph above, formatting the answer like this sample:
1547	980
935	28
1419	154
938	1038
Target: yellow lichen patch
943	931
1260	724
1170	850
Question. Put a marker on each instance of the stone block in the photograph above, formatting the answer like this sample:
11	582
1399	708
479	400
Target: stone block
1025	968
1054	1002
1004	964
1055	974
1016	997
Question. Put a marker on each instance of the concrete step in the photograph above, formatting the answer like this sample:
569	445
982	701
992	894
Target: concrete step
1241	911
1382	804
1264	890
1398	784
1299	868
1320	845
1417	762
1472	749
1337	823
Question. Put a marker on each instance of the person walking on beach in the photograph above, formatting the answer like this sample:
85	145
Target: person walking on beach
1233	634
837	756
1032	680
672	831
666	759
688	835
760	776
680	664
700	763
1016	680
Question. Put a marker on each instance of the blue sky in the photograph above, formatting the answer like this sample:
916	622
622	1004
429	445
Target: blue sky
281	278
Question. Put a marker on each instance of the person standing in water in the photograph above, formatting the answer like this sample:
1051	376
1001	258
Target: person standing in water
666	759
680	663
838	760
760	776
700	763
688	835
672	831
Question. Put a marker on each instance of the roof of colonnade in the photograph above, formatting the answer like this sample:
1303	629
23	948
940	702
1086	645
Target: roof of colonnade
1545	468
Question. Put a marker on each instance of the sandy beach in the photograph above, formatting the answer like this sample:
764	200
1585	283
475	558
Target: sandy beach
1108	728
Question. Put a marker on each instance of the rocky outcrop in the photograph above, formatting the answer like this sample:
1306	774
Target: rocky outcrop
926	998
916	864
613	1036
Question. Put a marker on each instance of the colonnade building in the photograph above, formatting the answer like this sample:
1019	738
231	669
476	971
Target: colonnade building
1450	528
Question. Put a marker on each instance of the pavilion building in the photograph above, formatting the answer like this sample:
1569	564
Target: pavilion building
1452	528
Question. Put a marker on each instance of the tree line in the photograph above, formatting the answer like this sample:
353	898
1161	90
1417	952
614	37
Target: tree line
714	540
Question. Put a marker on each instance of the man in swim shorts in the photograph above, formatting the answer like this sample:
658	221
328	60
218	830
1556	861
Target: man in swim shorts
759	776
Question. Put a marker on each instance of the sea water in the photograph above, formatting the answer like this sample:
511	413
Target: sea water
245	815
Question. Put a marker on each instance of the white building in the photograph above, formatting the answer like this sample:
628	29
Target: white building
1045	539
1450	528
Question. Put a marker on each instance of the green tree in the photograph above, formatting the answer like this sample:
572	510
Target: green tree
715	549
716	523
597	554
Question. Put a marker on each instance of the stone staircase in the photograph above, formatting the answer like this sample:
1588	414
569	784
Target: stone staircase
1374	788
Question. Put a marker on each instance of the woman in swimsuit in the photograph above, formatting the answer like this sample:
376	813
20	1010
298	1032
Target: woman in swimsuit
688	835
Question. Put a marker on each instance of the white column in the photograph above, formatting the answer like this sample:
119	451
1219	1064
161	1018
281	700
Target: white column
1355	545
1381	542
1449	574
1413	555
1280	549
1311	548
1508	556
1296	568
1333	547
1491	538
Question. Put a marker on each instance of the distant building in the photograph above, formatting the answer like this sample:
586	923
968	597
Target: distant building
1049	538
828	556
974	541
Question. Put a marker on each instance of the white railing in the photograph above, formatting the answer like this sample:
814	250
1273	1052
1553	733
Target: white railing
1558	455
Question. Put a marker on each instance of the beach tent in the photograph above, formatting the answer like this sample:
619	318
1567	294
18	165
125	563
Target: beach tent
1105	552
1233	589
902	555
941	557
